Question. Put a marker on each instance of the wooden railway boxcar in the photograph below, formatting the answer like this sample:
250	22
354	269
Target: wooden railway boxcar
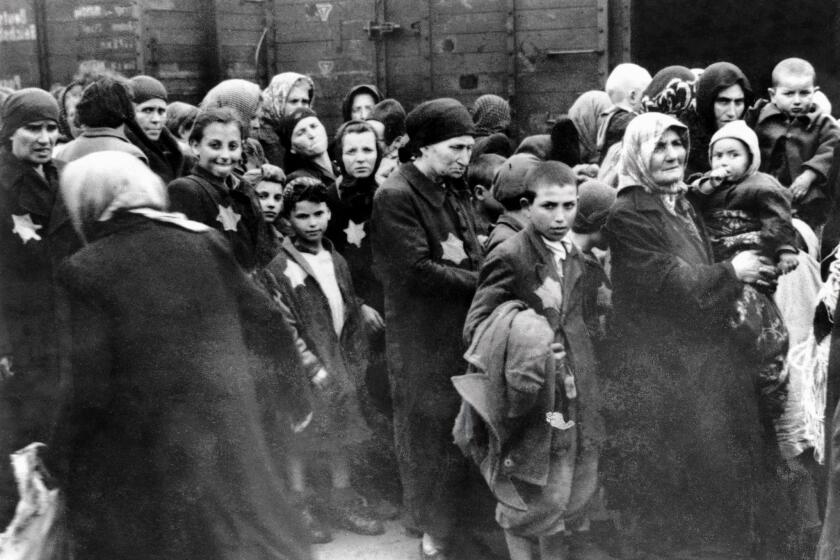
538	53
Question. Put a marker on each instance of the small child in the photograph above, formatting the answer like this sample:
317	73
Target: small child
745	209
545	413
625	85
312	285
797	140
514	195
487	209
212	195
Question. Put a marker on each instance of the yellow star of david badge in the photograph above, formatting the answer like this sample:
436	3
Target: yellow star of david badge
453	249
25	228
228	218
355	233
557	421
550	293
294	273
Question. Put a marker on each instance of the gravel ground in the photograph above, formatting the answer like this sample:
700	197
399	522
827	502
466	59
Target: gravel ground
393	545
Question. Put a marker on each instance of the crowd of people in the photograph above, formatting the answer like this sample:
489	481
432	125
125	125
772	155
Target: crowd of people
236	332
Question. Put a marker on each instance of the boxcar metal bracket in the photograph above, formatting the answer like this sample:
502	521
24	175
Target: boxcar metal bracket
376	30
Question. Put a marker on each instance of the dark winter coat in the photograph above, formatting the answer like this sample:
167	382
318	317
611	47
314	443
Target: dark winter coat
685	447
232	207
184	376
426	253
99	139
351	205
35	234
522	268
505	227
337	421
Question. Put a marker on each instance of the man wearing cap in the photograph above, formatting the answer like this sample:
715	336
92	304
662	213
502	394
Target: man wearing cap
427	254
149	132
35	233
515	196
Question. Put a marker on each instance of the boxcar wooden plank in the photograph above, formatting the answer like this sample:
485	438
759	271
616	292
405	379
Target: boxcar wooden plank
484	42
455	63
522	5
468	23
559	39
563	18
470	84
449	7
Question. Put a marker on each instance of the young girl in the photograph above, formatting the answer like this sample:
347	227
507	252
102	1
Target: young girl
212	195
267	183
312	284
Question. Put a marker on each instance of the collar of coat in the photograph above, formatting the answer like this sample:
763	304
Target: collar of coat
35	193
295	253
770	111
433	193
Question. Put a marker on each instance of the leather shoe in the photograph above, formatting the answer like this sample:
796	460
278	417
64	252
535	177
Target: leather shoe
436	555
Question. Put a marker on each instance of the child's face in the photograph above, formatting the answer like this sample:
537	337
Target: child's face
271	199
487	202
793	94
309	221
358	153
553	210
219	149
731	155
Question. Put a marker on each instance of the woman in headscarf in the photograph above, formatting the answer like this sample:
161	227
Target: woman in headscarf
305	142
587	112
286	93
183	377
687	461
723	95
491	115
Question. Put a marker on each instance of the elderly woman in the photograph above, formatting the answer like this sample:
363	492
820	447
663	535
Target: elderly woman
183	374
688	460
286	93
35	234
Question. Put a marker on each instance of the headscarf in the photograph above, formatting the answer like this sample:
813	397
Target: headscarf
436	121
640	139
25	106
671	91
274	96
347	103
491	114
144	88
587	113
242	95
98	185
288	124
716	78
740	131
594	202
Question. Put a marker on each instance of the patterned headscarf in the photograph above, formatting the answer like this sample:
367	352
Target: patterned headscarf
587	113
242	95
671	91
274	96
491	114
640	139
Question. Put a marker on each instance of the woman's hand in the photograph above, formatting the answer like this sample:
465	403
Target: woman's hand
752	268
372	319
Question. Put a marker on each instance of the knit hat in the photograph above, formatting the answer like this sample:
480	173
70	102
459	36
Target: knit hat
740	131
390	112
242	95
594	202
289	122
491	114
144	88
438	120
509	181
26	106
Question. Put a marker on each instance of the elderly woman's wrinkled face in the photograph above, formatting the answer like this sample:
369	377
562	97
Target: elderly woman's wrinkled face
309	138
34	141
667	164
298	97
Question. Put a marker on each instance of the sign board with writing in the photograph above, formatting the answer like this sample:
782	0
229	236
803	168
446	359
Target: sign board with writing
18	44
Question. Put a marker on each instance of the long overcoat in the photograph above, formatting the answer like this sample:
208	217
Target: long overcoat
685	436
184	374
426	253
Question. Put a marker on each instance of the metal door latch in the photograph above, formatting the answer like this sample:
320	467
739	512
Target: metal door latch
375	29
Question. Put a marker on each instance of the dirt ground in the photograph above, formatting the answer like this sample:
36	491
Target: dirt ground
393	545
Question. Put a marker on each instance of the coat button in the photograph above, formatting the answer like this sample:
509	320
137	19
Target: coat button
508	462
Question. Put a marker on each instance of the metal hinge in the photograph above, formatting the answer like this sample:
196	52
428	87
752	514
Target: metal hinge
375	29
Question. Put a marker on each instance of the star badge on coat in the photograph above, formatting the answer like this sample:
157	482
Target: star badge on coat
25	228
228	218
295	274
355	233
557	421
453	249
550	293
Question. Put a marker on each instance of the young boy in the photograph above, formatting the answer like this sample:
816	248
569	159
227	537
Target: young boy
625	86
311	282
487	209
509	190
549	417
797	140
